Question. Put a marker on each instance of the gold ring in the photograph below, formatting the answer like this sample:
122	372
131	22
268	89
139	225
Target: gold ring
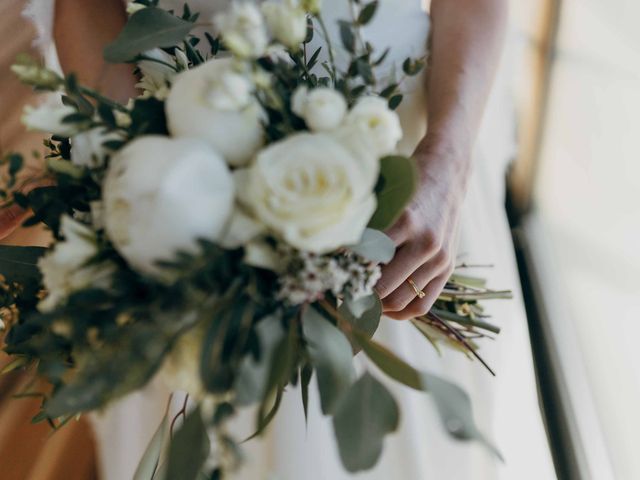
419	292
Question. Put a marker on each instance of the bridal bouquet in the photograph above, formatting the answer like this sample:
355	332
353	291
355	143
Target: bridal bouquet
224	230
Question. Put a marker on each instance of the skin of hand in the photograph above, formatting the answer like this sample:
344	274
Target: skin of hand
81	30
466	43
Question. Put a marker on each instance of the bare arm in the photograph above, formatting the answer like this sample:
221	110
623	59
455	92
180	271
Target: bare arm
466	45
82	28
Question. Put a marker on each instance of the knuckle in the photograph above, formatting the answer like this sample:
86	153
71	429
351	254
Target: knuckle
394	304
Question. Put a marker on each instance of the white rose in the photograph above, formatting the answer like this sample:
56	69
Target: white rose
312	191
287	22
87	148
65	269
242	29
323	109
378	122
48	118
161	195
213	102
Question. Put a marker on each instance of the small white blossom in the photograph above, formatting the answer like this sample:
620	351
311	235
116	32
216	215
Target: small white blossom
66	268
215	103
287	21
323	109
242	29
156	73
87	148
48	118
133	7
378	123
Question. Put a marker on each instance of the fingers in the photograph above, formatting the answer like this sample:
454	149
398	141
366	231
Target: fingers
10	218
400	231
405	293
420	306
408	259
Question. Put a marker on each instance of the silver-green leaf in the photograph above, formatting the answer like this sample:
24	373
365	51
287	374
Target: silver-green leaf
146	29
331	355
363	417
453	403
399	179
375	246
151	457
189	448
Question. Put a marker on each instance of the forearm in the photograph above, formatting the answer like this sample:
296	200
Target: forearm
82	28
466	45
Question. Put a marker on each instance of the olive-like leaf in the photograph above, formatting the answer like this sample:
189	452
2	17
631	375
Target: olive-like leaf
399	177
146	29
363	417
331	356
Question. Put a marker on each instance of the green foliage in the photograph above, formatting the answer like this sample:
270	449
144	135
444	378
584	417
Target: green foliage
146	29
399	181
452	402
330	355
375	246
363	417
189	449
20	264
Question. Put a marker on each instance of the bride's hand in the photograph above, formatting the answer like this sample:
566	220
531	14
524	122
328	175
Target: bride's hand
425	235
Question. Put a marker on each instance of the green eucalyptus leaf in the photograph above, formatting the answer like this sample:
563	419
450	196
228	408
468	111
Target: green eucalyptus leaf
453	403
375	246
189	449
364	314
151	457
347	36
389	362
395	101
363	417
146	29
331	356
252	378
399	177
454	407
367	13
20	264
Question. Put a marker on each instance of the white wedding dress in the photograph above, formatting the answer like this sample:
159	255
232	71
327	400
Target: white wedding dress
506	407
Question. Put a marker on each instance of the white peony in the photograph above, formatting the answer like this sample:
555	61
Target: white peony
161	195
312	191
381	125
48	118
323	109
67	267
287	21
242	29
87	148
214	102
